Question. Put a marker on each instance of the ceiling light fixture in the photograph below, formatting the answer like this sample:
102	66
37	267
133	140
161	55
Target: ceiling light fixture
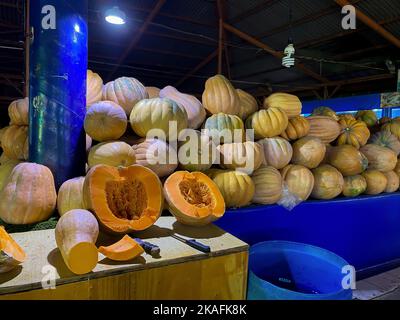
115	16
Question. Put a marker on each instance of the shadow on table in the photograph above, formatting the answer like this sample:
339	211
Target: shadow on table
5	277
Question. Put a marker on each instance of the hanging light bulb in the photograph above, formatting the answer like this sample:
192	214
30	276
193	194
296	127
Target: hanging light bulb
288	59
115	16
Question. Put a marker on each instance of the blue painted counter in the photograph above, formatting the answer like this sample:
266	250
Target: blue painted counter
364	231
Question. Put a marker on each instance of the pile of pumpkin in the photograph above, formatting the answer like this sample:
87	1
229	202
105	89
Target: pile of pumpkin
322	157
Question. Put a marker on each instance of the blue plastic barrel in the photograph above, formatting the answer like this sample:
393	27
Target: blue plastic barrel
281	270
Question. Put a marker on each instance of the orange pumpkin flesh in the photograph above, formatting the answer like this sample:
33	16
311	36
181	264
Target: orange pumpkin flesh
124	250
11	254
193	198
123	199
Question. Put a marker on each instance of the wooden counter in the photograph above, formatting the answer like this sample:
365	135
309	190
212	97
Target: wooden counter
180	272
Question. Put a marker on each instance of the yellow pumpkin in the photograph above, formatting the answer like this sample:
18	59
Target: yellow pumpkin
347	116
113	154
277	152
354	133
5	171
393	126
153	92
354	186
18	111
152	118
94	89
324	128
379	158
224	128
328	182
248	104
29	195
105	121
376	182
193	107
220	96
325	111
348	160
299	180
268	185
70	196
125	92
297	128
268	123
308	152
289	103
14	142
393	182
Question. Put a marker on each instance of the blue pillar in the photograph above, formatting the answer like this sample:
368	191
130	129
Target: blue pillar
58	64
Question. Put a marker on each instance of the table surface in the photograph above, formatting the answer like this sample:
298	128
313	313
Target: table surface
45	259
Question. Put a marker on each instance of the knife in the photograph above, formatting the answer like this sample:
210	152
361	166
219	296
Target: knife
193	243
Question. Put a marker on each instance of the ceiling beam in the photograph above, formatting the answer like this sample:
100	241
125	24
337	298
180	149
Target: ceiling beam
252	11
371	23
138	35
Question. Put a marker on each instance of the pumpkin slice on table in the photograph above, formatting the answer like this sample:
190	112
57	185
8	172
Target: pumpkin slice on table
124	250
11	254
124	200
193	198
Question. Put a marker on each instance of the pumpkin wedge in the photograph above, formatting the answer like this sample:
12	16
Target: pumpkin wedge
124	250
11	254
193	198
123	199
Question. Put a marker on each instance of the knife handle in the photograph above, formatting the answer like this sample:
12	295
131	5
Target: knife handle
199	246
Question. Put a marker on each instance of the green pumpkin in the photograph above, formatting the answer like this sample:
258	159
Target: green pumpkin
221	128
325	111
354	186
368	116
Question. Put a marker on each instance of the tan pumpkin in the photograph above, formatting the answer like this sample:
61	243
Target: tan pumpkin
5	171
354	186
308	152
15	142
268	123
105	121
379	158
328	183
153	117
125	92
220	96
386	139
393	182
277	152
94	89
297	128
348	160
156	155
354	133
153	92
70	196
393	126
225	128
289	103
268	185
325	111
18	111
193	107
248	104
245	157
299	180
324	128
115	154
29	195
376	182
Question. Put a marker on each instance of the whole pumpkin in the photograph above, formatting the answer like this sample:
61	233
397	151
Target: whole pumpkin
29	195
248	104
354	133
348	160
5	171
115	154
220	96
225	128
324	128
367	116
153	92
289	103
299	180
308	152
277	152
354	186
18	111
268	123
376	182
328	183
14	142
347	116
268	185
193	107
94	89
125	92
70	196
386	139
105	121
393	126
297	128
156	155
379	158
393	182
158	114
325	111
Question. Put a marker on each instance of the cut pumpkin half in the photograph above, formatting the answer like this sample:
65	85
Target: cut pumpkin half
193	198
124	250
11	254
124	200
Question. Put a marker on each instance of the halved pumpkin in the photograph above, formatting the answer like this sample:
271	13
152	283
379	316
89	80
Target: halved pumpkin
124	250
11	254
193	198
124	200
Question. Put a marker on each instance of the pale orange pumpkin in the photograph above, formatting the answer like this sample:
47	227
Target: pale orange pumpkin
376	182
328	182
18	111
393	182
308	152
277	152
324	128
94	89
70	196
268	185
348	160
299	180
379	158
